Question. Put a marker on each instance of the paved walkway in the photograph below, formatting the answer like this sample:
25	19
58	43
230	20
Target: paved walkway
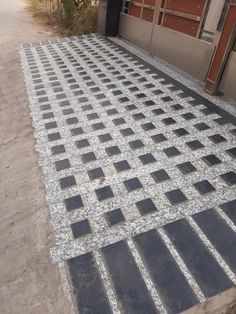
140	178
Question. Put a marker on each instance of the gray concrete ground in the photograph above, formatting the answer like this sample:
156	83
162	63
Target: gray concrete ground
29	283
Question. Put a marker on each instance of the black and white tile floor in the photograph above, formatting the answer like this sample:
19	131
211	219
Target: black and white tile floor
140	178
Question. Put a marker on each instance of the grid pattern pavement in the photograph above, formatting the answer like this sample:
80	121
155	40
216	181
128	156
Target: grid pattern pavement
134	164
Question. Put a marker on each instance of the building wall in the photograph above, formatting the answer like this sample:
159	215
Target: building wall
228	81
190	54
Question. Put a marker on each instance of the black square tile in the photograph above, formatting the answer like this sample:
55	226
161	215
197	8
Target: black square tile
136	144
181	132
147	159
146	206
231	152
194	145
207	111
81	228
217	138
104	193
140	95
82	99
176	197
149	103
139	116
113	150
157	92
67	182
106	103
177	107
45	107
211	160
82	143
188	116
51	125
58	149
233	132
133	184
118	121
122	165
73	120
148	126
166	99
92	116
114	217
204	187
158	138
133	89
171	151
117	92
54	136
98	126
88	157
127	132
123	99
87	107
68	111
130	107
74	202
96	173
160	175
186	167
149	85
229	178
169	121
76	131
105	137
62	164
111	112
100	96
48	115
158	112
201	126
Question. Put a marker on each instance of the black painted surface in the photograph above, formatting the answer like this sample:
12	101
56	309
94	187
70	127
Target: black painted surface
114	216
88	288
146	206
202	265
175	291
220	234
230	210
129	286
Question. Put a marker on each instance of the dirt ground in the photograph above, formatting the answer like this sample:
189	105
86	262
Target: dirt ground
29	283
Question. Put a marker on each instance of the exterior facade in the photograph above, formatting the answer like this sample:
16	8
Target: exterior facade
197	36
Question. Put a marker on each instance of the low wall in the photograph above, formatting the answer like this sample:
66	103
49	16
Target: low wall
228	81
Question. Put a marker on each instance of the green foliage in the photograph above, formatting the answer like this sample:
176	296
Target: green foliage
69	8
74	17
79	16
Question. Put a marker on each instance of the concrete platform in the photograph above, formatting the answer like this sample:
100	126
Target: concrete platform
140	178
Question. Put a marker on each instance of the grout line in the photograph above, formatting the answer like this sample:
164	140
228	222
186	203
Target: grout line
193	284
146	277
226	219
212	249
107	283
